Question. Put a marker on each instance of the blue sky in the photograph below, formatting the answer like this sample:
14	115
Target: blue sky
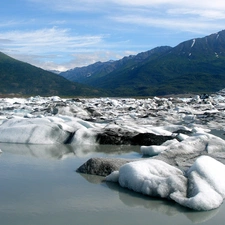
63	34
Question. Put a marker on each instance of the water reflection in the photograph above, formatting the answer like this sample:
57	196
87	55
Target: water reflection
63	151
169	208
38	151
64	183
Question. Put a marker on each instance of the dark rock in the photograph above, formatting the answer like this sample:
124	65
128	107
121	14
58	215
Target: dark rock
148	139
93	112
180	131
115	137
204	96
77	100
124	137
55	111
102	166
69	138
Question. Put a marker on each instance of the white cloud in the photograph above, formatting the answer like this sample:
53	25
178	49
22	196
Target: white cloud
216	4
181	24
204	14
164	12
49	40
77	59
44	47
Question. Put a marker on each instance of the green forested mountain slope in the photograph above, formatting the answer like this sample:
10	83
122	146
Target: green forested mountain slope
21	78
194	66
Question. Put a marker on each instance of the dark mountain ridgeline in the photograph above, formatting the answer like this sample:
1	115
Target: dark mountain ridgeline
19	78
193	66
89	74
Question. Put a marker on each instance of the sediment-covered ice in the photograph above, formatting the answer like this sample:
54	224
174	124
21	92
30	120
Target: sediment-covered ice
198	142
47	130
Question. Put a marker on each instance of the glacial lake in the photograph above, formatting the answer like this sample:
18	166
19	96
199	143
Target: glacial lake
39	185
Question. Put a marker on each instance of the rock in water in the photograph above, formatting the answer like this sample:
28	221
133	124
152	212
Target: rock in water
102	166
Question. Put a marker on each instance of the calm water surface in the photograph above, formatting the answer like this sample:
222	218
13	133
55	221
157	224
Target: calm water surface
40	185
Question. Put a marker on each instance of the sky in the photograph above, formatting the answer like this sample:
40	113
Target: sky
64	34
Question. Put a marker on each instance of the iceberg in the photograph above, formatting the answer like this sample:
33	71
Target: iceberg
34	131
206	185
202	188
151	177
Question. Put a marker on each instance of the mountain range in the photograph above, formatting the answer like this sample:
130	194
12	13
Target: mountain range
21	79
193	66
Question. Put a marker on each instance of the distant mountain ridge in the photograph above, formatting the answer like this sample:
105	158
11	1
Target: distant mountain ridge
100	69
19	78
193	66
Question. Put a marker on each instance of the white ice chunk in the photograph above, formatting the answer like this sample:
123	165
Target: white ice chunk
152	150
170	142
199	142
151	177
206	189
113	177
33	131
182	137
202	189
84	136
